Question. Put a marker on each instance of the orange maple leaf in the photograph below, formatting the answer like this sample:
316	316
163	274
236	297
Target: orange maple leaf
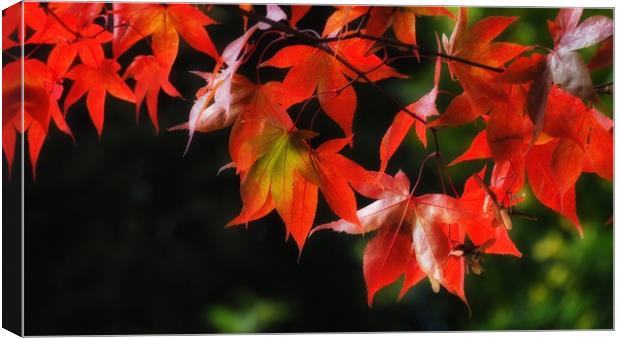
164	23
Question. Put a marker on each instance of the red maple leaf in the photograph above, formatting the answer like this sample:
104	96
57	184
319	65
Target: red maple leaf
279	169
415	237
41	92
476	44
313	70
403	121
70	28
150	77
96	81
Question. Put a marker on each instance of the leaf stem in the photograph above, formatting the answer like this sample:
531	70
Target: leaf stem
442	168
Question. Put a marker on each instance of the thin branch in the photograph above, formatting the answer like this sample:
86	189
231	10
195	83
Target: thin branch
410	47
15	58
315	42
419	179
262	54
441	165
364	77
604	85
364	18
62	23
607	88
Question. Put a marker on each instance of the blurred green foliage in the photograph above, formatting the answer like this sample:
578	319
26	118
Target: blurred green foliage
124	235
249	313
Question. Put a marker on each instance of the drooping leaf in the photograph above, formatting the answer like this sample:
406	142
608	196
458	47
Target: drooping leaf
150	78
273	176
542	180
95	82
389	254
277	164
403	121
40	94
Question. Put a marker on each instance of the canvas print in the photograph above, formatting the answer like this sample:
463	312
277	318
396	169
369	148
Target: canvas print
188	168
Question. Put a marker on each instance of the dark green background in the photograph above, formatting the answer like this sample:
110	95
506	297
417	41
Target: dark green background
126	235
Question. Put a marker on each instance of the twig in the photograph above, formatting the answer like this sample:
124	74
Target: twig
607	88
406	46
62	23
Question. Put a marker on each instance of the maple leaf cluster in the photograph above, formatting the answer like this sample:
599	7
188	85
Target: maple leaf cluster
78	54
540	122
